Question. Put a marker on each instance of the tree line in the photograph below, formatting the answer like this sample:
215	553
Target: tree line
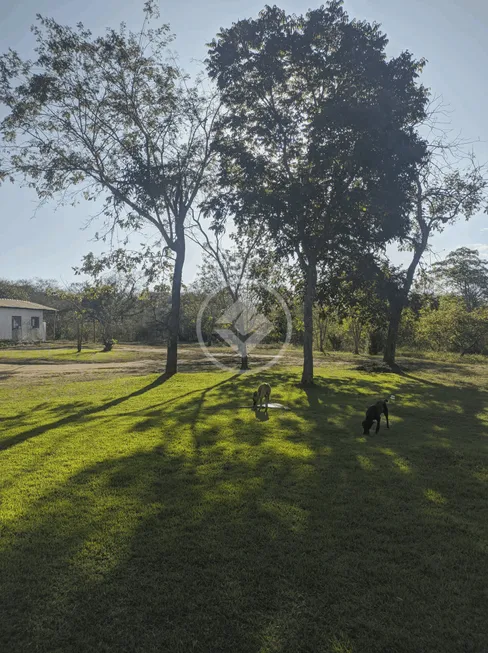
300	137
446	311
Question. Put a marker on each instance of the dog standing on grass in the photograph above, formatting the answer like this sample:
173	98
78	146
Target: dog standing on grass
261	395
373	414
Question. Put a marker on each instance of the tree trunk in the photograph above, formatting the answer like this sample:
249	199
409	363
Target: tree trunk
398	303
174	316
320	326
321	338
396	310
107	336
376	340
357	330
310	288
243	329
79	336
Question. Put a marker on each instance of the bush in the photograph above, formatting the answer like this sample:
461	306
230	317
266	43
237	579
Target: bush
453	328
407	333
336	341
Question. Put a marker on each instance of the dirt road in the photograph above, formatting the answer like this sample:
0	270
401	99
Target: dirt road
151	361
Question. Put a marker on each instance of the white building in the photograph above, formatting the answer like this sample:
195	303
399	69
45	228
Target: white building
22	321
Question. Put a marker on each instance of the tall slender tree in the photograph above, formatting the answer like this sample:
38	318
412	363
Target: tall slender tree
317	138
110	118
445	190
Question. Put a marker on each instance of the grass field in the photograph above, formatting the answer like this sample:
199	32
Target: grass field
138	517
65	355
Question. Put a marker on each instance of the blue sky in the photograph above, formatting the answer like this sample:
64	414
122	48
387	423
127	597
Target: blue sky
450	34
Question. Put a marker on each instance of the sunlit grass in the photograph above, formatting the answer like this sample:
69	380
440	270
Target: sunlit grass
435	497
147	518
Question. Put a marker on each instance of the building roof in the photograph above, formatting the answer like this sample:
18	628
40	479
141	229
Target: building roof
18	303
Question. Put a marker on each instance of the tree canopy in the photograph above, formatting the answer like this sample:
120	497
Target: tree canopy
109	118
318	136
464	273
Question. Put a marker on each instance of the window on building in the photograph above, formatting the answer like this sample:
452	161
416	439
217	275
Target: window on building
35	322
16	322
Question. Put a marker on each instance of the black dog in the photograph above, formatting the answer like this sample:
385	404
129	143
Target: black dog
373	414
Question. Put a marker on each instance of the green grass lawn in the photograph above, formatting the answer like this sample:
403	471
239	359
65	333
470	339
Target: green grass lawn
57	356
138	517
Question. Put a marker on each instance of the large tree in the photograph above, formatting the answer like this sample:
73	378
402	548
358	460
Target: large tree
113	119
317	138
447	187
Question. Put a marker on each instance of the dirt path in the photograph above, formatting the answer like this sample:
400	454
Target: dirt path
83	371
152	361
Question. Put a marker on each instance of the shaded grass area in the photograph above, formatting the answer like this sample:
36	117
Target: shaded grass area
138	516
471	359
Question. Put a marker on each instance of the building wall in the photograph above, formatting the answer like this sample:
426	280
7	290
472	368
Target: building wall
28	334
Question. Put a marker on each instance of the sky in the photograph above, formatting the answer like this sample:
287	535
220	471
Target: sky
47	242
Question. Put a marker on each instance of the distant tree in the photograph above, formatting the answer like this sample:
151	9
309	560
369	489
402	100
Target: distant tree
72	300
110	118
353	291
322	317
110	301
209	283
316	140
156	310
191	300
228	269
118	283
274	277
464	273
366	314
13	290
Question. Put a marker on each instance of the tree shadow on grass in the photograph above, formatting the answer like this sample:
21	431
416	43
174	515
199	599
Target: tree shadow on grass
335	403
85	413
332	541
